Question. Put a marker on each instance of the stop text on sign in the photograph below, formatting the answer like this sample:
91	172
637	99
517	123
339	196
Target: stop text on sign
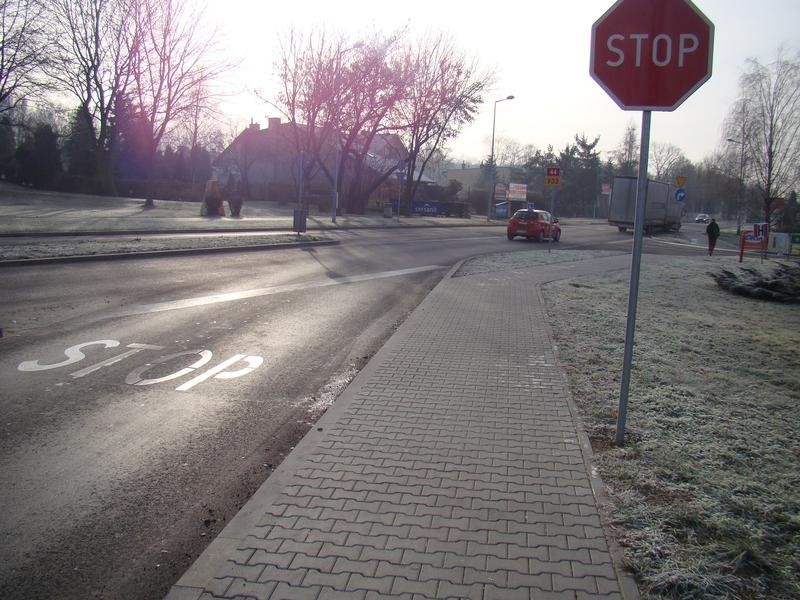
225	370
661	50
651	55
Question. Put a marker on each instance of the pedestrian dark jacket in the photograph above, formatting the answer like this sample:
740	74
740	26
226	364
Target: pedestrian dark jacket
712	229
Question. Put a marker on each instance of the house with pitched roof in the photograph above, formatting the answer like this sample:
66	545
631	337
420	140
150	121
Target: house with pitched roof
266	165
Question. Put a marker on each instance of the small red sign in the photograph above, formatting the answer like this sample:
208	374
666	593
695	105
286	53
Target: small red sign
755	241
553	171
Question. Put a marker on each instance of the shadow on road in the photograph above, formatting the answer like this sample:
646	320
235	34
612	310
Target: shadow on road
328	273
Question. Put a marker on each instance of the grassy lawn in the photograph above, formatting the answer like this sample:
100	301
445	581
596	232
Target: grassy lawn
46	248
706	492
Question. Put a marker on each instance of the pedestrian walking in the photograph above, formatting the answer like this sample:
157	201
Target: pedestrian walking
712	231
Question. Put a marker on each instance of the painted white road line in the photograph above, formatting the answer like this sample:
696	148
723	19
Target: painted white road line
135	376
73	354
114	359
695	246
141	309
217	372
462	239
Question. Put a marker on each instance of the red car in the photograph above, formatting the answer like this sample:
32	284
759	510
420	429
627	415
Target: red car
536	225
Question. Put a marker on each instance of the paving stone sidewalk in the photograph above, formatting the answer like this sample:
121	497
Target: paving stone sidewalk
452	467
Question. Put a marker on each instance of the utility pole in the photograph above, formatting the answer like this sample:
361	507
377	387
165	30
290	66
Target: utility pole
491	160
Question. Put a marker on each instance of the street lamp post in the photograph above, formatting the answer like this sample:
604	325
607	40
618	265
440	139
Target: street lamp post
491	159
741	182
400	166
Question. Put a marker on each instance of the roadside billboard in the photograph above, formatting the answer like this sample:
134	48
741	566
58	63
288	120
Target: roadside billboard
517	191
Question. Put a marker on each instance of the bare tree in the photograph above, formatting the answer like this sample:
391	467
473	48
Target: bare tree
666	161
443	93
716	187
90	60
767	118
378	80
374	106
626	156
314	72
22	55
735	128
202	125
339	95
510	153
171	73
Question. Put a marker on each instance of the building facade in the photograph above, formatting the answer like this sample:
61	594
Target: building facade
266	164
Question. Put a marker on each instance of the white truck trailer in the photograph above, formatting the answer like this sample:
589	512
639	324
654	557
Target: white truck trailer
663	212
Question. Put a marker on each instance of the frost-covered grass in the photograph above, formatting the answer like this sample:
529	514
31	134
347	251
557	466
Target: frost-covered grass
24	210
516	260
63	247
706	491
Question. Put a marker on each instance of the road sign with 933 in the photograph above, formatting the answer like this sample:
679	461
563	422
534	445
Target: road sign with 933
552	176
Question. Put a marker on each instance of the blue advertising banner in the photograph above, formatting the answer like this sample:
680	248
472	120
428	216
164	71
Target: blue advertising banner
434	209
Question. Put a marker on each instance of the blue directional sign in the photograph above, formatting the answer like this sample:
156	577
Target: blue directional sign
680	195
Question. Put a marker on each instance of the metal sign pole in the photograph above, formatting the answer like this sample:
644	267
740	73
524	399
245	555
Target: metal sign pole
636	263
552	210
335	199
302	171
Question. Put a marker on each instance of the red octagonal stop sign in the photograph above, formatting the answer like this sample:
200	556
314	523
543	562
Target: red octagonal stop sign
652	55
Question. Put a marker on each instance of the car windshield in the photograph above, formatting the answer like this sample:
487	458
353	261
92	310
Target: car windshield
525	214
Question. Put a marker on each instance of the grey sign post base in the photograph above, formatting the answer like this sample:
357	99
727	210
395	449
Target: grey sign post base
636	264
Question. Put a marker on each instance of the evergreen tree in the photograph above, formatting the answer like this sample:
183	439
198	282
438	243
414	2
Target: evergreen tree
485	183
39	158
566	197
200	164
790	218
7	149
165	164
181	169
587	181
534	168
132	158
81	152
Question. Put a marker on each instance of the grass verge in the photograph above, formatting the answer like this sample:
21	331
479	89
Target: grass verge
705	492
65	247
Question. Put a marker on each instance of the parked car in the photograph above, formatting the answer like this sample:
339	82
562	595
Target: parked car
702	218
536	225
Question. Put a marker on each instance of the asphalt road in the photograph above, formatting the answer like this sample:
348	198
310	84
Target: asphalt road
144	401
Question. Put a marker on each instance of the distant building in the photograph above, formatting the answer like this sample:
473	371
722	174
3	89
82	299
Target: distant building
265	164
473	179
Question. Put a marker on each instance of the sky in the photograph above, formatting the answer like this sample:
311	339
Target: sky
540	52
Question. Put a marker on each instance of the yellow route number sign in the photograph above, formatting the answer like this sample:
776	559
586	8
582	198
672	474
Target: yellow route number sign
552	176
